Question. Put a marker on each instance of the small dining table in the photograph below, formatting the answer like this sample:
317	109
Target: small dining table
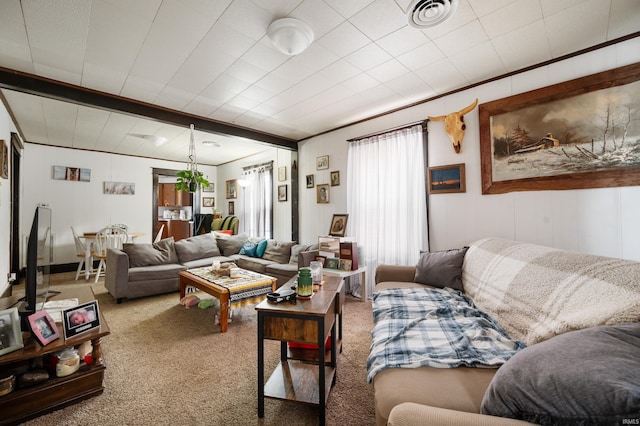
89	237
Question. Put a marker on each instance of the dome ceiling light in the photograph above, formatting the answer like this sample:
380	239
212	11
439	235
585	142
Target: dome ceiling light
155	140
429	13
291	36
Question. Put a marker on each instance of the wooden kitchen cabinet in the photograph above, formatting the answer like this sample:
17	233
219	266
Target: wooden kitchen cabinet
168	196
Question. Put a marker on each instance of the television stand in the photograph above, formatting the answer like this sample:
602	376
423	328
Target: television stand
57	392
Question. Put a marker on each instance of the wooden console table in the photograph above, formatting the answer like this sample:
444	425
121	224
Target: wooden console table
306	321
57	392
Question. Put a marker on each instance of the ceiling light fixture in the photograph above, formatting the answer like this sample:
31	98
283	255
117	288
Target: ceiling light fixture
155	140
429	13
291	36
211	143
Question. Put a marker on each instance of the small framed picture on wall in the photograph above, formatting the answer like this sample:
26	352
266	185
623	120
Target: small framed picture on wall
232	208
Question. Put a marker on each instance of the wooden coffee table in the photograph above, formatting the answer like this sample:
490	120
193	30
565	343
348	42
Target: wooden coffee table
252	289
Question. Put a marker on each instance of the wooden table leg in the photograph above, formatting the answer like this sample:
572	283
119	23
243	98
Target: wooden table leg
224	312
96	352
183	287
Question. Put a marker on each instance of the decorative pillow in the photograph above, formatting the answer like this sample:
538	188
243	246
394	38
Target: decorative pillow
232	244
441	268
589	376
249	248
197	247
278	251
225	231
160	253
296	250
262	246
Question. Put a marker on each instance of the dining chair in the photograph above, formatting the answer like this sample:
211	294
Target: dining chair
83	251
108	237
159	234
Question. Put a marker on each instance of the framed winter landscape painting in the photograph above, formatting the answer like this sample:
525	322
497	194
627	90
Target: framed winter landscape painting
583	133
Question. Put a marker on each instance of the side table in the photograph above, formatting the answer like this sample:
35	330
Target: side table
362	271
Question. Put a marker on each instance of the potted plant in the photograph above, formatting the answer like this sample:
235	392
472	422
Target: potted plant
189	180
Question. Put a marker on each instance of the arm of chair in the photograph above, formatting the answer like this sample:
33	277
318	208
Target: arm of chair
412	414
400	273
117	273
305	257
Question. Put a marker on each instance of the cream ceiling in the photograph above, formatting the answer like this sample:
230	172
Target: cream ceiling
212	59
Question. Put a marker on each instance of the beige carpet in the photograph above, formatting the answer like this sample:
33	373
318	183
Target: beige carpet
170	365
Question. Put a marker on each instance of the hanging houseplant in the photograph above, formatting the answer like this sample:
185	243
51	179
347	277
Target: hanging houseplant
190	179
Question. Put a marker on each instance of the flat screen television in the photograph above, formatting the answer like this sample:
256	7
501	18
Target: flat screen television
39	258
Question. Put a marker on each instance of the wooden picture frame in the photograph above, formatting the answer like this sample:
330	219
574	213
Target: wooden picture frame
322	162
232	208
310	181
282	173
80	319
344	264
322	193
208	201
447	179
338	225
322	259
232	188
335	178
76	174
4	158
10	332
331	263
572	135
210	188
282	192
119	188
43	327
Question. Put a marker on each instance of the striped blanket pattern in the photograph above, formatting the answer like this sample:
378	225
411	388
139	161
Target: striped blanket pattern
537	292
439	328
250	288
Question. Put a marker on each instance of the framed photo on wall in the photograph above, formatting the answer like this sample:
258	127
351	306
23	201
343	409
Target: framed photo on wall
232	188
210	188
338	225
322	162
282	192
282	173
322	193
310	182
335	178
232	208
447	179
43	327
4	157
208	201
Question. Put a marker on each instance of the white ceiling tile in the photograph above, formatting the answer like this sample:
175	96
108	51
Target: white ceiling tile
31	111
224	88
441	75
246	72
244	17
277	8
424	55
318	15
199	71
471	34
403	41
264	55
464	15
177	29
211	9
410	87
523	47
379	19
202	105
343	39
174	98
348	8
368	57
60	118
624	19
484	7
511	17
551	7
339	71
142	89
64	72
478	63
388	71
13	36
144	9
577	27
103	78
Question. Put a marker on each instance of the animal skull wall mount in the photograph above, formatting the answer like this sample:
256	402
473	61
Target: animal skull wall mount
454	125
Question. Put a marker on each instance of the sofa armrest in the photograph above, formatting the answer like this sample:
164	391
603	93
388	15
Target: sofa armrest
402	273
116	278
412	414
305	257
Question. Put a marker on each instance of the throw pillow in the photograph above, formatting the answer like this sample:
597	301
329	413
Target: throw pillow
231	244
296	250
262	246
589	376
142	254
197	247
278	251
249	248
441	268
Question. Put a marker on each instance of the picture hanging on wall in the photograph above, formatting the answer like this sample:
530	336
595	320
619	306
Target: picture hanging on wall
232	188
71	173
4	157
120	188
210	188
335	178
282	173
232	208
447	179
208	201
310	181
322	193
322	162
282	192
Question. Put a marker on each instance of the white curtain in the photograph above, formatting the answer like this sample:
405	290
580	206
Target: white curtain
386	199
258	201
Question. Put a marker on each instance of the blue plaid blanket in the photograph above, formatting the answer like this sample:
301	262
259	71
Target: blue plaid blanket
439	328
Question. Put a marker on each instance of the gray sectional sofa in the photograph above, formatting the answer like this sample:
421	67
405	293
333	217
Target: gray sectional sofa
140	270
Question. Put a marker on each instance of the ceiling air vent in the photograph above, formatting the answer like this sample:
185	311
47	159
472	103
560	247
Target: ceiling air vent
429	13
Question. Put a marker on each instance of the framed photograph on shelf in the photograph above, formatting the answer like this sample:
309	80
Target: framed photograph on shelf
447	179
322	259
335	178
282	173
310	183
322	162
80	319
322	193
232	208
282	192
210	188
232	188
344	264
10	332
208	201
338	225
43	327
332	263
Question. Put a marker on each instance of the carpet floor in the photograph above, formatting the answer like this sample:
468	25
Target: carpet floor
169	365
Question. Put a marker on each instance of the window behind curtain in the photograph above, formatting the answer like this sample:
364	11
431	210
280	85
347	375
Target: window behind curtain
386	198
258	201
